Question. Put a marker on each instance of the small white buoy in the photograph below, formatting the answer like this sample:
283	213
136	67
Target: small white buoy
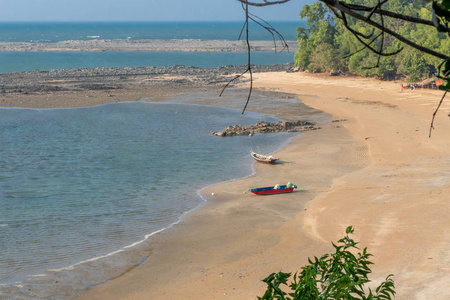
212	194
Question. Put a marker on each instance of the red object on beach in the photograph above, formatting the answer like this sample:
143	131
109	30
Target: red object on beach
270	190
439	82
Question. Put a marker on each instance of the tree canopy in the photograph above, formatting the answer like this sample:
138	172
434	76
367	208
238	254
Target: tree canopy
371	34
385	57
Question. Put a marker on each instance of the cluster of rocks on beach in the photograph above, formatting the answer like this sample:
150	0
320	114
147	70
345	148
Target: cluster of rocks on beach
267	127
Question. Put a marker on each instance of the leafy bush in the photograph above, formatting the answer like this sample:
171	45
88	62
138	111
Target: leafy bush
340	275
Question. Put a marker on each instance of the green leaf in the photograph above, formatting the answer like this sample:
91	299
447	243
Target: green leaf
441	11
340	275
349	229
435	19
446	4
446	67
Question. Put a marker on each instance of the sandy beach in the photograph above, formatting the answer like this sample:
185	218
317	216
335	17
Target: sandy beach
371	165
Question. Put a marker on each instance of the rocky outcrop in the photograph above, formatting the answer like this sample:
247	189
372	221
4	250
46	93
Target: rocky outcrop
116	78
267	127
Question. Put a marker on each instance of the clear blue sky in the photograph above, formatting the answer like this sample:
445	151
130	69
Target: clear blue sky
141	10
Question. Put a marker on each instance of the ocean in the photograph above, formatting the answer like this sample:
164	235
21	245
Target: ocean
83	189
78	184
56	31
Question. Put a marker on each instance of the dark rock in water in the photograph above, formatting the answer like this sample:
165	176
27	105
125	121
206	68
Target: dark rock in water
267	127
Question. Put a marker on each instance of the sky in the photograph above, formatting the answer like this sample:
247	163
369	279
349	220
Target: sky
142	10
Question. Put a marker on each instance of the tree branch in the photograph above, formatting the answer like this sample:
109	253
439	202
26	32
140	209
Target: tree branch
266	26
266	2
249	66
435	112
388	14
355	7
345	9
271	30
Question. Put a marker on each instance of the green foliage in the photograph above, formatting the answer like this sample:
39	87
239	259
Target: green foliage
441	14
443	78
340	275
317	40
416	64
441	19
323	60
325	37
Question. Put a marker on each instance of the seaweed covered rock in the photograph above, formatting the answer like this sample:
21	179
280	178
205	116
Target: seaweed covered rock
266	127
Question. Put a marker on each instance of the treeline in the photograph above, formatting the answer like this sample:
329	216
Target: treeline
325	45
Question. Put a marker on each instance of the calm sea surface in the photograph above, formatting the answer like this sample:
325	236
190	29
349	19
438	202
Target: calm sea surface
77	184
54	32
64	31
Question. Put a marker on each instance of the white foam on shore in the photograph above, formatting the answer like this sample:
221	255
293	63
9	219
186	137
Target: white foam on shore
72	267
180	218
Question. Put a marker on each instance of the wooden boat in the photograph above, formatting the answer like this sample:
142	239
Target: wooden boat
263	158
277	189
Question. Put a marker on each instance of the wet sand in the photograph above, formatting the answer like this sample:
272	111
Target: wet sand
372	166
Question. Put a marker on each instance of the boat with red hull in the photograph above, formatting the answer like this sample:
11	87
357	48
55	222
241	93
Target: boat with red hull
277	189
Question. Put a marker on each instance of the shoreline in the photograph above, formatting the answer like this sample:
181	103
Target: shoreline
357	173
376	170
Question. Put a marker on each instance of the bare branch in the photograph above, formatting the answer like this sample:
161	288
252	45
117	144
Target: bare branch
373	40
249	66
271	30
374	10
378	6
266	26
388	14
367	45
231	81
435	112
266	2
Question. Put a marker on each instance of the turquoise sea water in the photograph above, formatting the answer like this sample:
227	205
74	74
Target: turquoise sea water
64	31
81	183
57	31
46	61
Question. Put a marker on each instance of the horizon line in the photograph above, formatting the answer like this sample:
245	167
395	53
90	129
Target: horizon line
136	21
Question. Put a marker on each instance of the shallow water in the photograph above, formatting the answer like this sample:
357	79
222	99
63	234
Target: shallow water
65	31
46	61
76	184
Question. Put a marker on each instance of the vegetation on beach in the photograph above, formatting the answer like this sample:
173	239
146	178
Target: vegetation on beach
327	45
340	275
